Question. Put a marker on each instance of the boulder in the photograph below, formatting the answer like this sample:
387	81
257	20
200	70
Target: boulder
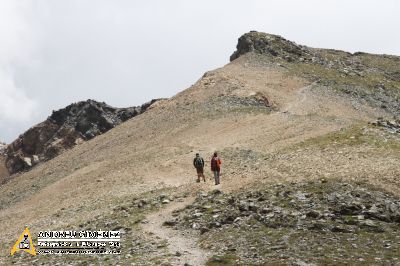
28	161
35	159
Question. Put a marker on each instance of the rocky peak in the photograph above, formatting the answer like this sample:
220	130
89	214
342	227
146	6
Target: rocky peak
269	44
368	77
64	129
91	118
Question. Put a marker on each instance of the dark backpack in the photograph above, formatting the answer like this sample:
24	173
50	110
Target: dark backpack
198	162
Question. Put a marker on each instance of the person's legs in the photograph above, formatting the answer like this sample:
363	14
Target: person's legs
216	177
201	174
198	176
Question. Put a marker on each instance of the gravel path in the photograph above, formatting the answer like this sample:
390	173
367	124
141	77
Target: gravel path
184	246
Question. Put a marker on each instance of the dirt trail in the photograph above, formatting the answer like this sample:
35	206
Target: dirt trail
178	242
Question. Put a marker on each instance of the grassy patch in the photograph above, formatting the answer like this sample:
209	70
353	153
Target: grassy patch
356	135
219	260
368	81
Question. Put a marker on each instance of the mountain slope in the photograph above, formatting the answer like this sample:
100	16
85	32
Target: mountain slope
270	119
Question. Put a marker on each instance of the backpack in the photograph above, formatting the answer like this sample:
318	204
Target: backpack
198	162
215	164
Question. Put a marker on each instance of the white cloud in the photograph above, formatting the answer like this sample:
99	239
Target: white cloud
16	47
15	106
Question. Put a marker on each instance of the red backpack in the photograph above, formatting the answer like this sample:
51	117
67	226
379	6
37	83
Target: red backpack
215	163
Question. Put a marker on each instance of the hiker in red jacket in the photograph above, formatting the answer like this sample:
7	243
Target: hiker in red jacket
216	167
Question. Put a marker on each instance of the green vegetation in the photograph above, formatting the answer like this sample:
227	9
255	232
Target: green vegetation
324	74
356	135
227	259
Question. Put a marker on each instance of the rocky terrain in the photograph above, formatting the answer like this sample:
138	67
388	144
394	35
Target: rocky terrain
64	129
298	222
310	153
392	126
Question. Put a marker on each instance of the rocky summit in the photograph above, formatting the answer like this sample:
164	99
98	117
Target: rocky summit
64	129
269	44
368	77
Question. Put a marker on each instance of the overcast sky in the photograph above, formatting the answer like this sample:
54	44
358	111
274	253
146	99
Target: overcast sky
55	52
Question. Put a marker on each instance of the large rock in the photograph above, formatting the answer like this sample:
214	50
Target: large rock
269	44
64	129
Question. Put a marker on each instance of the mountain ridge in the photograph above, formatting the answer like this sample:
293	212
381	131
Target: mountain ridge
64	129
369	77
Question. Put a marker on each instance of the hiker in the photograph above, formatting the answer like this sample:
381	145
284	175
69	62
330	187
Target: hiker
198	163
216	167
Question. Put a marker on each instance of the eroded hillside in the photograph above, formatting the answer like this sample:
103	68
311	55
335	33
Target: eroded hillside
272	119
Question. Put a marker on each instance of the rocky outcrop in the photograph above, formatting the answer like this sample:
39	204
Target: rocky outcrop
392	126
270	44
64	129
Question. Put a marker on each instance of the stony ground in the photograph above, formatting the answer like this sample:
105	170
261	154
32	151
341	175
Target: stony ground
321	222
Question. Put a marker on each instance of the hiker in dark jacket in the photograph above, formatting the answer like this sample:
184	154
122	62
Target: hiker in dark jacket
216	167
198	163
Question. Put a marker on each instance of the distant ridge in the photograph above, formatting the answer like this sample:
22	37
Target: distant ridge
64	129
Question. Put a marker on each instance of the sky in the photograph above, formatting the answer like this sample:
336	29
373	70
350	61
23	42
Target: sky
127	52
